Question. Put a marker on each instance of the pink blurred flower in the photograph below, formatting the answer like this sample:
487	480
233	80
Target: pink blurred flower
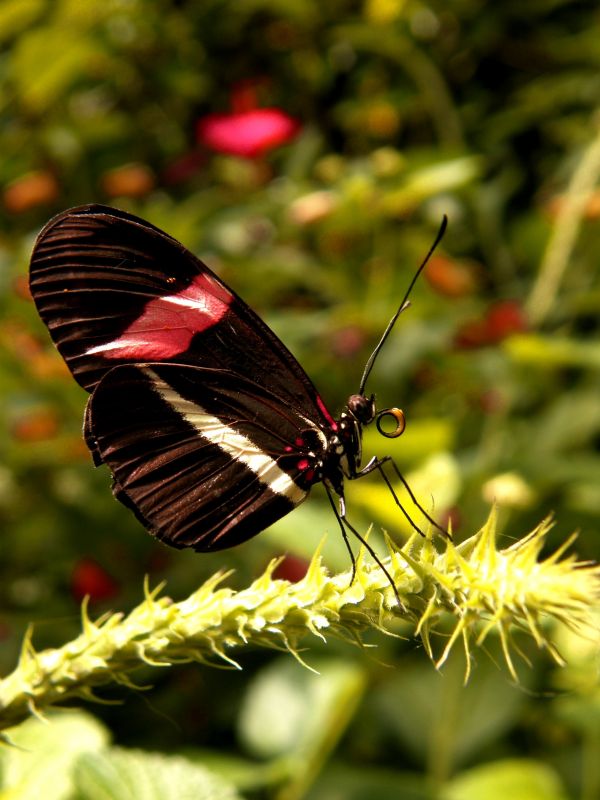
249	133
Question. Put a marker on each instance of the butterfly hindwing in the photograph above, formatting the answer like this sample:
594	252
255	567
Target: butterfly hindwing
200	455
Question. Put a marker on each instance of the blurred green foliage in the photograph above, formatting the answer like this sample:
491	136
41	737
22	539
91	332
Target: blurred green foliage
408	110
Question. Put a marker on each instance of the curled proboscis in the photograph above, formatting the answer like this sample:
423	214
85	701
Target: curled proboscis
398	416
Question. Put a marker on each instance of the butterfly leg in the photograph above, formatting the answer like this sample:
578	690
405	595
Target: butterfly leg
343	530
344	523
378	464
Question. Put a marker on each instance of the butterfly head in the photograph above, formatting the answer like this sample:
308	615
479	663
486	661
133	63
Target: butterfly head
345	446
363	411
362	408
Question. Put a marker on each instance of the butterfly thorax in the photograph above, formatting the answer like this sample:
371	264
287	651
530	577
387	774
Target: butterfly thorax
343	455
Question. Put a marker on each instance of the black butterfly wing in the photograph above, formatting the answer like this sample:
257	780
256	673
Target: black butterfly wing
178	365
202	456
113	289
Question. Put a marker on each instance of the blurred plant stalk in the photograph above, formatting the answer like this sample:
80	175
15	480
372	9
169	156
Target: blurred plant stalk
566	229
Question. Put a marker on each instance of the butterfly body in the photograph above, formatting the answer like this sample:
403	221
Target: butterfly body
211	428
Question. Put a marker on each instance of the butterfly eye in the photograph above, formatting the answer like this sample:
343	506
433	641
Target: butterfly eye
397	416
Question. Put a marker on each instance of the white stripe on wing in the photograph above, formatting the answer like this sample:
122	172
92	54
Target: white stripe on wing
230	441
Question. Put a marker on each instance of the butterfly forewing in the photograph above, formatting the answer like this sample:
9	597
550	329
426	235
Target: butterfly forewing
114	289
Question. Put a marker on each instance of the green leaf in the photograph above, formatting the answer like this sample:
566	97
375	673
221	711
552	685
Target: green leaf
436	486
318	526
119	774
17	15
423	437
298	716
41	763
431	180
43	68
342	782
243	773
442	721
552	352
289	709
518	779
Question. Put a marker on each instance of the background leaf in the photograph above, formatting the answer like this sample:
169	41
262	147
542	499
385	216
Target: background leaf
134	775
41	762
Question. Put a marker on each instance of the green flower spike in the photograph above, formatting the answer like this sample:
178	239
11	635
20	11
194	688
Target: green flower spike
472	590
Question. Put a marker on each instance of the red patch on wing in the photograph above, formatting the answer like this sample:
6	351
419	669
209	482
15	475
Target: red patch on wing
166	326
326	414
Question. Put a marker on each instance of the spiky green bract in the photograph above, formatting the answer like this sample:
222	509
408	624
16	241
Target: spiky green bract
472	590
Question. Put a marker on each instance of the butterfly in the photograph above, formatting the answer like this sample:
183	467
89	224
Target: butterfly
210	427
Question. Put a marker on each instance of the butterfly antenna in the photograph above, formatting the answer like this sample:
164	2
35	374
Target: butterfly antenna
402	307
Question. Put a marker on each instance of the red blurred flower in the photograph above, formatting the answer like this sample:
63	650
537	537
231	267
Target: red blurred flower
502	319
89	578
555	206
248	134
35	357
34	189
20	286
473	333
128	180
183	168
37	426
492	401
449	277
450	518
292	569
245	94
